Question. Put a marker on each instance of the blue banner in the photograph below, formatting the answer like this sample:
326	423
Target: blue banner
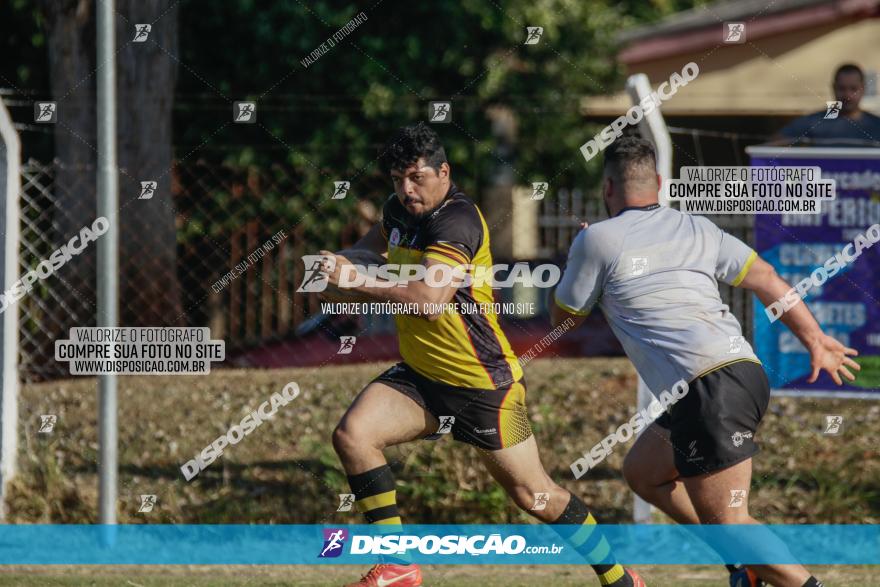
153	544
847	303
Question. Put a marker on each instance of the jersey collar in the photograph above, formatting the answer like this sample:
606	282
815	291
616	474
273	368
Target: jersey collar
646	208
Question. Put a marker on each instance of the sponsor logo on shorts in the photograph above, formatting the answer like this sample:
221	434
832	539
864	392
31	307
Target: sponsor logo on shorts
692	453
739	437
486	431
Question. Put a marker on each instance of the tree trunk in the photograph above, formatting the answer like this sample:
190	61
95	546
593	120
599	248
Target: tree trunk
146	76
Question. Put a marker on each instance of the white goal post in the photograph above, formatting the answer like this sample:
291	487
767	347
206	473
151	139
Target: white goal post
10	184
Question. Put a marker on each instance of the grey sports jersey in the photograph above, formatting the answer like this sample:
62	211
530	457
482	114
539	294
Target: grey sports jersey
654	272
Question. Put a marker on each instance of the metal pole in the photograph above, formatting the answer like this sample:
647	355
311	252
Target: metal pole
652	127
108	252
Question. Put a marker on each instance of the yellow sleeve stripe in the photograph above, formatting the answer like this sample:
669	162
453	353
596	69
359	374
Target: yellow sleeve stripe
448	251
380	500
745	269
568	309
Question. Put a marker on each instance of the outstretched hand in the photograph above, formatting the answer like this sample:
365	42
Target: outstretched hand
828	354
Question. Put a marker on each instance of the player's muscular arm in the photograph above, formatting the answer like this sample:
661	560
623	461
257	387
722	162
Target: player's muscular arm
428	298
558	315
825	352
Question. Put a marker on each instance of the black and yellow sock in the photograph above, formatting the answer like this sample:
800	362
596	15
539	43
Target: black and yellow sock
376	499
591	543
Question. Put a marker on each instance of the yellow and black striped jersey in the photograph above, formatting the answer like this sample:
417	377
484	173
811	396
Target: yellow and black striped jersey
460	349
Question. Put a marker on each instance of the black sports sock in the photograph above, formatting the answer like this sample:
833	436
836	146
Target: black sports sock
376	499
591	544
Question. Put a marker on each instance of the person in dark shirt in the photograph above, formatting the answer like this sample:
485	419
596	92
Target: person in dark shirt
847	125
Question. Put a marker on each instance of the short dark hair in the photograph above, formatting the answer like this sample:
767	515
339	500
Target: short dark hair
850	68
630	158
408	145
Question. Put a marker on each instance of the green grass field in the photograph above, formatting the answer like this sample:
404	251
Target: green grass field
286	471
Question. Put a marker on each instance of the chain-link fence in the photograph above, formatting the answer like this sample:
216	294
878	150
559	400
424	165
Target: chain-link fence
239	244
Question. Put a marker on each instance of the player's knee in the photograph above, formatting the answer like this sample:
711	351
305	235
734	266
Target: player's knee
535	498
346	440
633	474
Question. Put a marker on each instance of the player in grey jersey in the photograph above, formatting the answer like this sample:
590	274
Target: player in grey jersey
654	272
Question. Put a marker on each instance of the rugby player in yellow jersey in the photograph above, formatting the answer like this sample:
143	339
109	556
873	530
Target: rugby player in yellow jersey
458	375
